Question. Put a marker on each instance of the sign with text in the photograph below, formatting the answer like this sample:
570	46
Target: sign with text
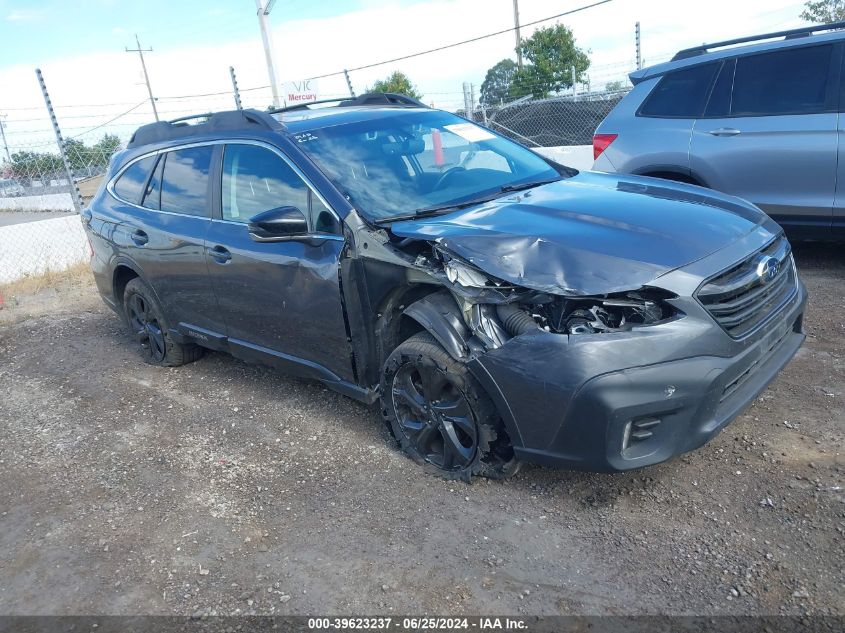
294	92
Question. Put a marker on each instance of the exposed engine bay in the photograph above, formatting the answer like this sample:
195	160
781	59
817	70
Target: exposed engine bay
497	310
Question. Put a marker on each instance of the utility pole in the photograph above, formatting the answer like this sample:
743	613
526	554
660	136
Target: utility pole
639	47
574	85
516	32
141	52
467	101
264	7
3	134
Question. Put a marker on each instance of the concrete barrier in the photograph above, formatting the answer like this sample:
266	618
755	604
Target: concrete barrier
45	202
36	247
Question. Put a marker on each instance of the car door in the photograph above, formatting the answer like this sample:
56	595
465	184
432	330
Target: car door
838	219
769	133
281	300
163	229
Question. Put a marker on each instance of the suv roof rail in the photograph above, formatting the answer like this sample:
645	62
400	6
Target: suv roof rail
214	122
789	34
370	98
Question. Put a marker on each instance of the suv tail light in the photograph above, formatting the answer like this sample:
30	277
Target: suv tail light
601	142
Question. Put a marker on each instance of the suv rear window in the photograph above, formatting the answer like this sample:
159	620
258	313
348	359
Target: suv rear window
184	187
791	81
130	185
681	94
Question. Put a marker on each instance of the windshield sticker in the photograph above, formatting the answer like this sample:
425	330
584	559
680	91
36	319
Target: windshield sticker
304	137
470	132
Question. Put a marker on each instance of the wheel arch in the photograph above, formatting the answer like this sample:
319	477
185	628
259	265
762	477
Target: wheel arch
675	174
440	316
122	275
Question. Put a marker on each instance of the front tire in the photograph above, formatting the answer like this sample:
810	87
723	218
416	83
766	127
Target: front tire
440	414
146	320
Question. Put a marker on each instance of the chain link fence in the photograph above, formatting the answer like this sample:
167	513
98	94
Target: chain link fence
39	230
554	122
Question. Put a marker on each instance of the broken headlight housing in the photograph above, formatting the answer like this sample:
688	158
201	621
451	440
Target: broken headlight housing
465	275
612	313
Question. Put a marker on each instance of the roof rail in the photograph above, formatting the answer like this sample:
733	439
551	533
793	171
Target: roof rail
370	98
215	121
790	34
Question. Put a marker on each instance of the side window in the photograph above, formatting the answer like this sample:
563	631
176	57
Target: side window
720	99
681	94
184	184
792	81
130	185
152	196
256	179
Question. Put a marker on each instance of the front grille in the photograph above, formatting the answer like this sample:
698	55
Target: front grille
741	299
740	380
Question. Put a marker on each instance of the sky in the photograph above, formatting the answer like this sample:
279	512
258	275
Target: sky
80	47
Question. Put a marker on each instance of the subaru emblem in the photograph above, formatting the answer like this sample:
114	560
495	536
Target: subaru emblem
767	268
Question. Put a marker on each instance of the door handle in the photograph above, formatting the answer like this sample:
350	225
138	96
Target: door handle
220	254
725	131
139	237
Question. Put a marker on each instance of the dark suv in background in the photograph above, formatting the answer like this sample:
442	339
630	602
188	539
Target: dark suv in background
756	117
498	306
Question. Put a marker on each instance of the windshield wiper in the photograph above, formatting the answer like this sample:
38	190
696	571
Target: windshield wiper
425	212
443	208
526	185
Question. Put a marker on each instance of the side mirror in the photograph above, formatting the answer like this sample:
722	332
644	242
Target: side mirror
279	224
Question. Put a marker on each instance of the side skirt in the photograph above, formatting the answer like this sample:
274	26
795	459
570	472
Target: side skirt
292	365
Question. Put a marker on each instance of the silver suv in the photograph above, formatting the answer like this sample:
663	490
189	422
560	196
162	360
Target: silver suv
756	117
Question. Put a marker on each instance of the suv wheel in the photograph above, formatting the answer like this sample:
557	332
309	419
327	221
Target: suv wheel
146	320
440	415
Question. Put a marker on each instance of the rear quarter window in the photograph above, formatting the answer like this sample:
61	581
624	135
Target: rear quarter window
131	183
792	81
682	93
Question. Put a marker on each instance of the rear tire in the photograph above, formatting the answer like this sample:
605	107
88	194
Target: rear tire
146	319
440	414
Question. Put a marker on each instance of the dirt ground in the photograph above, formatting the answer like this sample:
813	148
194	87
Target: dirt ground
223	488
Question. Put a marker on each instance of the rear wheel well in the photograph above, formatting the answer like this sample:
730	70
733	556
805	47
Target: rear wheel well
122	276
675	177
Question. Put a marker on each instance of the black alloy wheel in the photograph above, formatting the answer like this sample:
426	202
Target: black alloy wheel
434	415
146	328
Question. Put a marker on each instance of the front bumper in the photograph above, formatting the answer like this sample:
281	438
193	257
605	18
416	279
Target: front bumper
617	402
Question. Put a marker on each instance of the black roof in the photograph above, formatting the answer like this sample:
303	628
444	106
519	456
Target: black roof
240	120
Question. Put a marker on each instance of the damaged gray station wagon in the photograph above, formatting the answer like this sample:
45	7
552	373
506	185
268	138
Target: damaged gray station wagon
498	306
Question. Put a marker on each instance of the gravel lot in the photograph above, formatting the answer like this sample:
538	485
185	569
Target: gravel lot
226	488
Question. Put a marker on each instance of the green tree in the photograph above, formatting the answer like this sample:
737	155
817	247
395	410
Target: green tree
77	154
397	82
103	149
824	11
36	165
497	83
616	86
551	54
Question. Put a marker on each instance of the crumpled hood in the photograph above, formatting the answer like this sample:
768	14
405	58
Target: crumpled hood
592	233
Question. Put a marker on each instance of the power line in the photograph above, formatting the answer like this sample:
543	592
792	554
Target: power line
97	127
469	41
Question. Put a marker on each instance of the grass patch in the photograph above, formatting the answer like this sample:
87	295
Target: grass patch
77	275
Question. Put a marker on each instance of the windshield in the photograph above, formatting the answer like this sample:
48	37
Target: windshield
405	163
